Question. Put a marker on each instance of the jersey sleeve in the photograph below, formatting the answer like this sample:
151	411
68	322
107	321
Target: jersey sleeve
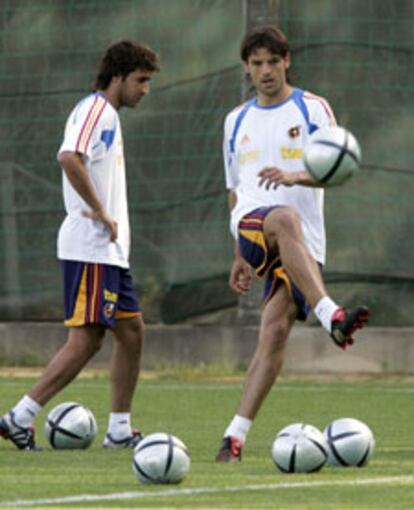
86	126
230	168
320	111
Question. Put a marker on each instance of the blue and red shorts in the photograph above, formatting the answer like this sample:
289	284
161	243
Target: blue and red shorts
252	245
97	294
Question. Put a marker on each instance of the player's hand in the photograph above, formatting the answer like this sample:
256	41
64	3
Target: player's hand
240	276
273	177
108	222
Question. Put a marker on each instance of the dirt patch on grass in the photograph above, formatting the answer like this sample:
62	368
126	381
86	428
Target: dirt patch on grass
199	375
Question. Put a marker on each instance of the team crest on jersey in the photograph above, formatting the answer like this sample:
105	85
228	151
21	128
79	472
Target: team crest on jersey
245	139
109	310
294	131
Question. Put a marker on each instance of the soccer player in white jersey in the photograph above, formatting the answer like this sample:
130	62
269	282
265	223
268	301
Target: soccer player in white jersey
276	219
93	247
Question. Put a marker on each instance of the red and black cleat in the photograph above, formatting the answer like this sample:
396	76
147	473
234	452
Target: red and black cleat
345	321
230	450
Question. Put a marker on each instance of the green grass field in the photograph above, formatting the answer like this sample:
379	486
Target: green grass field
197	411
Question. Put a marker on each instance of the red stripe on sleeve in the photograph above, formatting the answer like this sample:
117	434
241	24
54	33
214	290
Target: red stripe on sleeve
94	125
323	102
86	123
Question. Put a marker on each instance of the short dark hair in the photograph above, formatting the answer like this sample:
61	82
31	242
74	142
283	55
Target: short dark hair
124	57
269	37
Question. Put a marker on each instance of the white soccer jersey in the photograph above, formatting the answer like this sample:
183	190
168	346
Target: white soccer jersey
256	137
93	130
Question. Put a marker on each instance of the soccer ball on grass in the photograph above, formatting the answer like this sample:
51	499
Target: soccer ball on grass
300	448
70	426
350	441
160	458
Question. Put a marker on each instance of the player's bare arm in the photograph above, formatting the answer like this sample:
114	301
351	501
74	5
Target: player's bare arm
232	200
77	174
272	177
240	274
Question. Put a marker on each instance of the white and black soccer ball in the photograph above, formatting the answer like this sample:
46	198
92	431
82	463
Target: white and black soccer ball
300	448
70	426
161	458
332	155
350	441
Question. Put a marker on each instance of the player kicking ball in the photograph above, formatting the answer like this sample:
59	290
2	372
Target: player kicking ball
276	219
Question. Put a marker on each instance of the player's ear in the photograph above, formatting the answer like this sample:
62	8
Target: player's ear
246	69
287	61
116	79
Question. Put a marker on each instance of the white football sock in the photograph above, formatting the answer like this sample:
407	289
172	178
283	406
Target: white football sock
324	310
25	411
239	427
119	425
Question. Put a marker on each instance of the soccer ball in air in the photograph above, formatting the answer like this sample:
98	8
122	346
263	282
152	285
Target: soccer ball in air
350	441
70	426
332	155
160	458
300	448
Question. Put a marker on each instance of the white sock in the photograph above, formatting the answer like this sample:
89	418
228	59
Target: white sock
239	427
119	425
324	310
25	411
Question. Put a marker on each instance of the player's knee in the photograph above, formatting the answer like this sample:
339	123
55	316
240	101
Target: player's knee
132	333
138	328
286	218
277	334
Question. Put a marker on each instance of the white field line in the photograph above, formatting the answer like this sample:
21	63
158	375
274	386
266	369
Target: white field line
82	498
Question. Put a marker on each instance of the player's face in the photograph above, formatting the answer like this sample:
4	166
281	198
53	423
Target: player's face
134	87
268	73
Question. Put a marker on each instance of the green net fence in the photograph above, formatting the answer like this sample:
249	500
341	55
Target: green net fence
357	54
180	241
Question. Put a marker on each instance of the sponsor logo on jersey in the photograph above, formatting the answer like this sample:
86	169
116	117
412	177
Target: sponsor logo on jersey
249	157
288	153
